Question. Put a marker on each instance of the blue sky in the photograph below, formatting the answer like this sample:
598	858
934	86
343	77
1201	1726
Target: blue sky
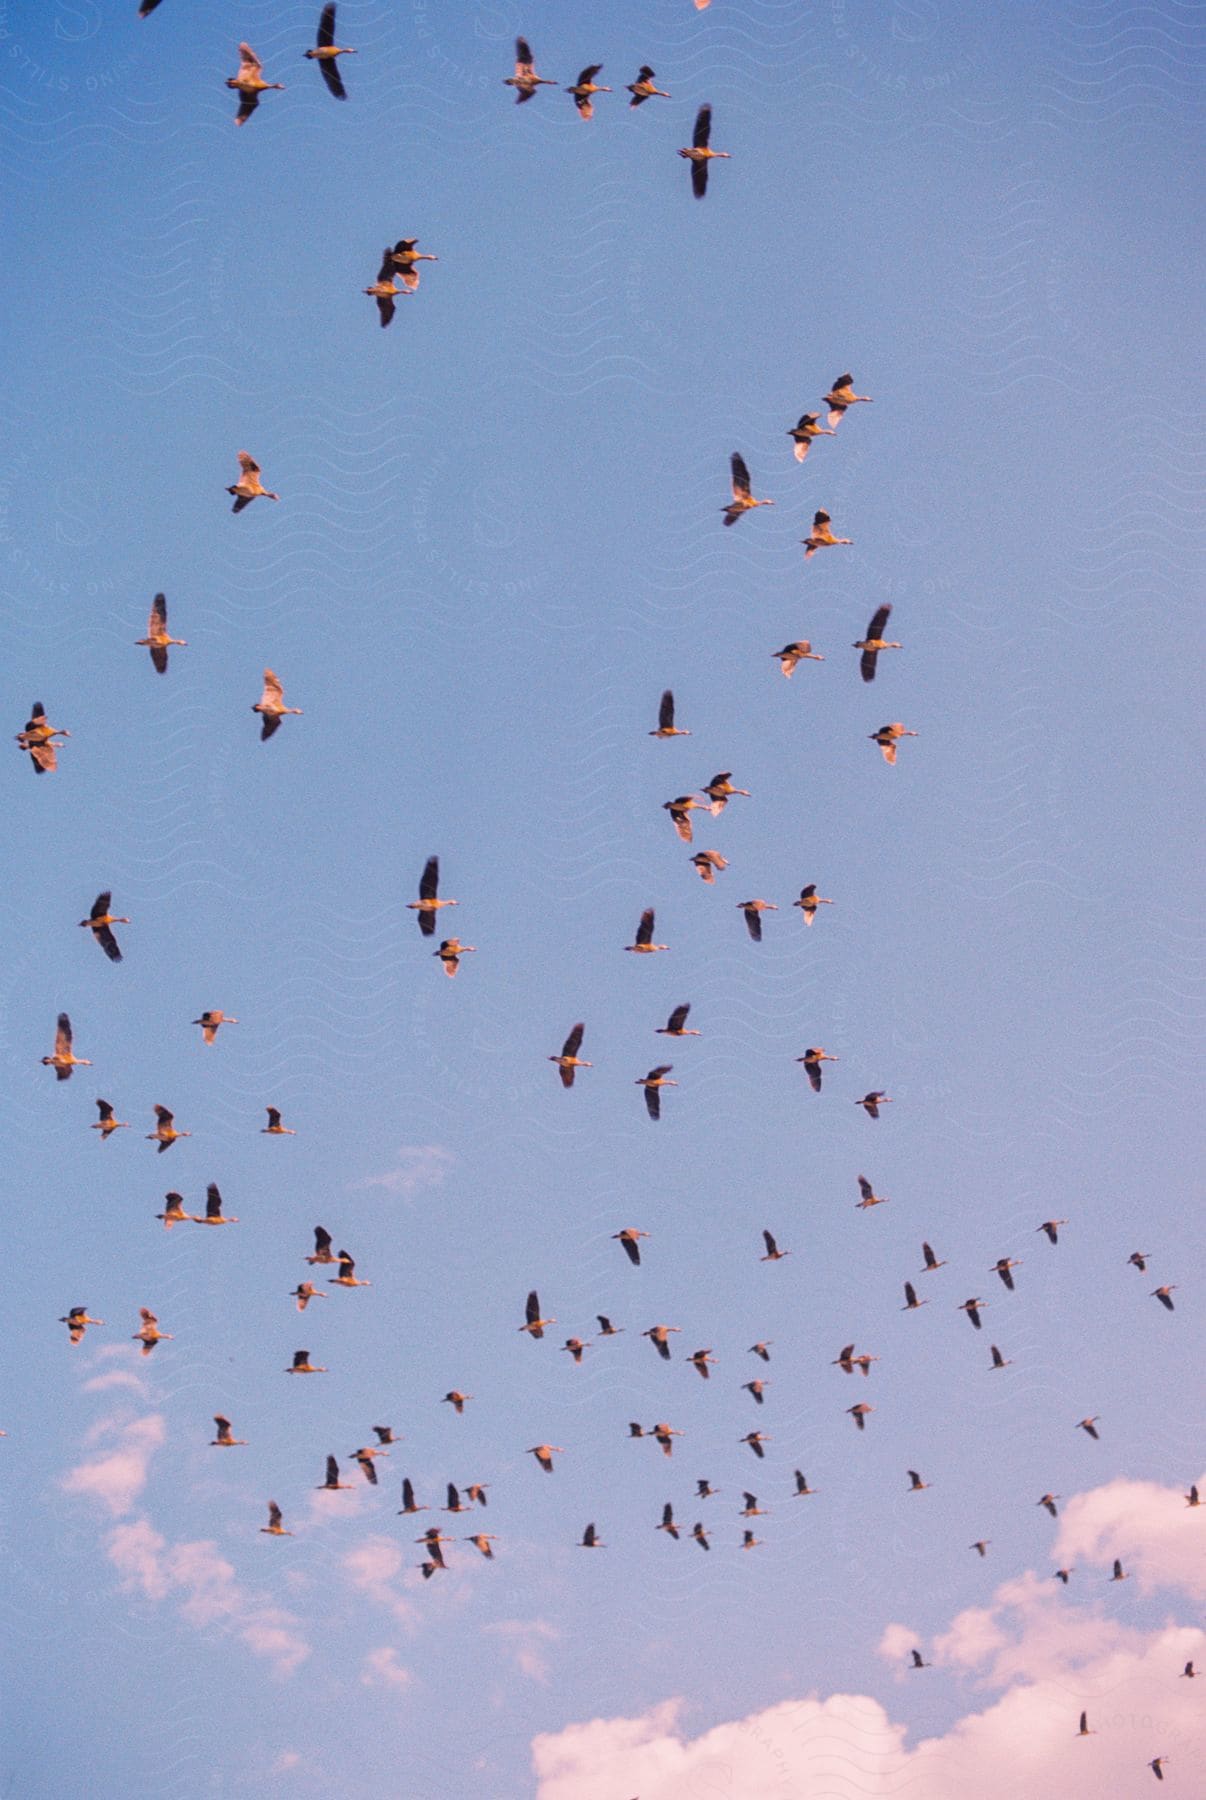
498	540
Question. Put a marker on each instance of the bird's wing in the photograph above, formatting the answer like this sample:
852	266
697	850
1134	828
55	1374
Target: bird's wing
274	1513
532	1307
587	75
678	1017
249	62
213	1201
703	128
322	1240
326	28
573	1042
866	664
741	476
328	68
273	691
665	711
159	658
248	464
523	57
158	616
332	1471
753	922
769	1241
876	628
699	179
62	1035
429	880
653	1102
645	928
247	105
107	942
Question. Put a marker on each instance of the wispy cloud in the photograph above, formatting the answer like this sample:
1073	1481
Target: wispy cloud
374	1567
381	1668
206	1591
417	1167
118	1475
524	1639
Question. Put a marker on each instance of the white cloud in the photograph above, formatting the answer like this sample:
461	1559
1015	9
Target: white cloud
417	1167
381	1668
116	1378
1048	1659
117	1477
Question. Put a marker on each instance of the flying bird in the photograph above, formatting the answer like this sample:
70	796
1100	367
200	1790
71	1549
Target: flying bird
271	706
409	1503
821	536
1084	1729
301	1365
576	1347
1048	1502
1138	1260
755	1440
249	84
629	1239
211	1021
108	1122
525	80
676	1024
869	1195
385	290
326	50
642	88
584	91
332	1482
533	1323
665	1436
667	1521
482	1540
753	910
653	1083
859	1413
224	1441
606	1328
77	1321
274	1128
874	642
666	728
148	1333
347	1276
64	1059
872	1102
680	810
790	655
931	1261
743	500
700	155
213	1209
911	1301
590	1540
999	1361
37	737
406	258
804	431
174	1213
304	1292
100	921
1051	1228
1164	1296
248	487
842	396
429	903
720	791
701	1361
1119	1573
456	1400
659	1336
157	640
707	862
809	902
887	737
273	1528
773	1252
1004	1267
812	1059
972	1309
450	953
916	1484
322	1247
917	1662
363	1458
544	1454
569	1060
1156	1765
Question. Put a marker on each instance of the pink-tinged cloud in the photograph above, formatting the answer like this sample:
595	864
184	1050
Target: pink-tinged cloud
1049	1659
381	1668
376	1567
206	1592
1160	1541
524	1639
117	1476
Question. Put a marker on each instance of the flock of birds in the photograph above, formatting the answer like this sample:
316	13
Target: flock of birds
399	276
